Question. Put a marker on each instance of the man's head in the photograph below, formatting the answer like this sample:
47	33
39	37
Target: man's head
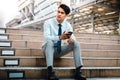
63	11
65	8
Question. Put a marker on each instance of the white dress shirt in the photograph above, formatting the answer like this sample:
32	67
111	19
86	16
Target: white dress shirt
51	30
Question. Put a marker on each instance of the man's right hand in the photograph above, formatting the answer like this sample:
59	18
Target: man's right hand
63	36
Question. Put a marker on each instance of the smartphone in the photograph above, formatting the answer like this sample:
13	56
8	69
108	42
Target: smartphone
69	34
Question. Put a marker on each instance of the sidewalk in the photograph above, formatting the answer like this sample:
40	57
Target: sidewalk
118	78
103	78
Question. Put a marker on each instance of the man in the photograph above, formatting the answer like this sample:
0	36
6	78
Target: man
53	47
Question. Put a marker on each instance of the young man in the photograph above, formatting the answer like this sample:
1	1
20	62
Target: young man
56	30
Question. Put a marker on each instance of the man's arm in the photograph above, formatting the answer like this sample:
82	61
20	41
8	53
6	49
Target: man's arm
48	31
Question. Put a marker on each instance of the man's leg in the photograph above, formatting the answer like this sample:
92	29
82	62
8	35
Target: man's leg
48	50
77	57
78	61
77	54
75	47
65	50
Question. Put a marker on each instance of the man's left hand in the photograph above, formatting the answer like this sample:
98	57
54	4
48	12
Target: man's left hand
70	41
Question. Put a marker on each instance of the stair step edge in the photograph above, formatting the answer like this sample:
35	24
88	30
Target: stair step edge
42	57
58	68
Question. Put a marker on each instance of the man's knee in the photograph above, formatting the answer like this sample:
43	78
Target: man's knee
76	44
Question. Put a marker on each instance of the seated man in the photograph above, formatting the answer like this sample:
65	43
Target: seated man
56	30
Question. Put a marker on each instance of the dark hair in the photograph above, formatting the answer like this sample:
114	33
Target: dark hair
65	8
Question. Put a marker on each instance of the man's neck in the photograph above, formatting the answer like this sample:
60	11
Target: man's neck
59	22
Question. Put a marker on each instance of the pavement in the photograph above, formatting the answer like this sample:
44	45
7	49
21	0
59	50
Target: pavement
103	78
118	78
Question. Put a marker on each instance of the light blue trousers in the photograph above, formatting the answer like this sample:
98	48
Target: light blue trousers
50	52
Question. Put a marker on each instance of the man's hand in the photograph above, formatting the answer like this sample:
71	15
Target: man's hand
70	41
69	34
63	36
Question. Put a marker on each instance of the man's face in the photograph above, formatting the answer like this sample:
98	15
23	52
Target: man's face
61	15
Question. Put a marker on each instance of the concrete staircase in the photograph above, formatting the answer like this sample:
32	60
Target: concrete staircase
21	56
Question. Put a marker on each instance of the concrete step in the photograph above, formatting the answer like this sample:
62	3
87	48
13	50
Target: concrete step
98	36
38	45
87	35
38	52
22	57
97	40
29	37
25	61
20	52
100	46
36	35
24	31
101	53
61	72
26	44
